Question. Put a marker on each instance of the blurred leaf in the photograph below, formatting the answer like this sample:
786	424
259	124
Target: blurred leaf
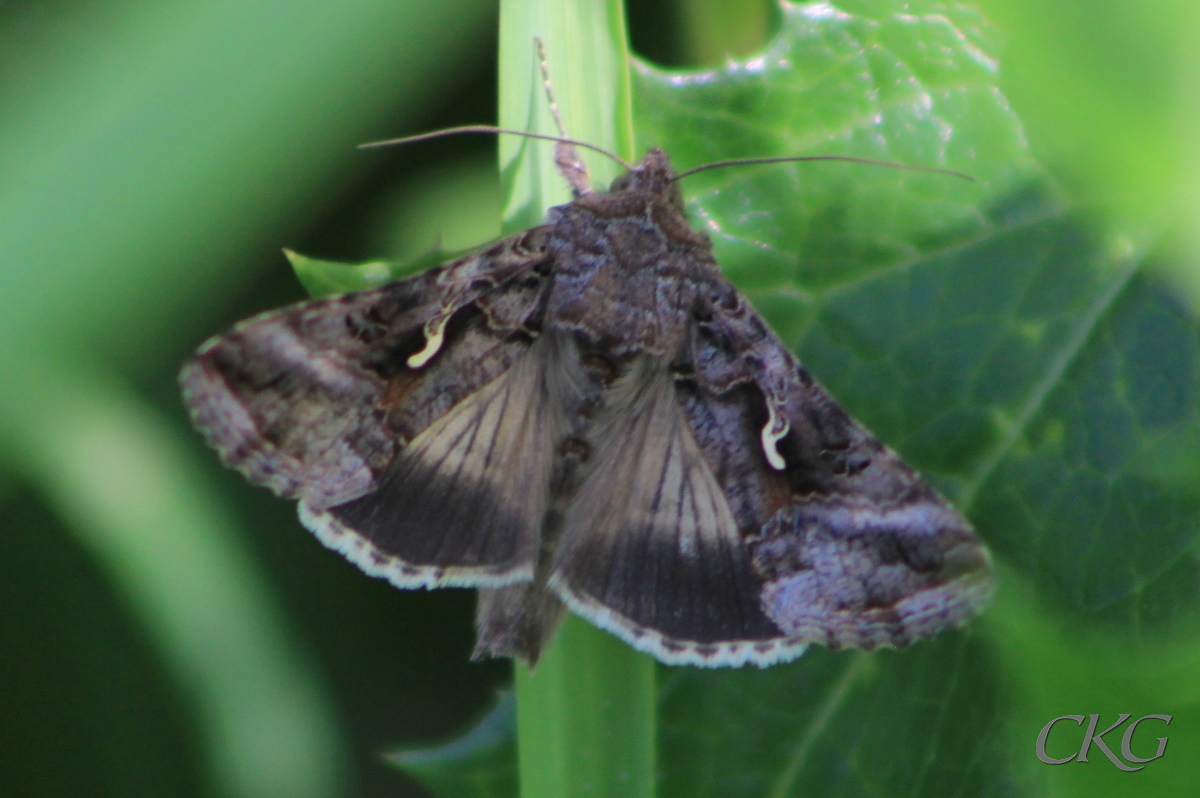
75	667
1108	90
927	721
124	482
480	764
150	148
714	30
453	204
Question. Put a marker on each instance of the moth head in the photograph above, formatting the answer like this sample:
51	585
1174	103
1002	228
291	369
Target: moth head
651	175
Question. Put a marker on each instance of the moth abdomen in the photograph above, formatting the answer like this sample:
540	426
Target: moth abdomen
576	450
600	368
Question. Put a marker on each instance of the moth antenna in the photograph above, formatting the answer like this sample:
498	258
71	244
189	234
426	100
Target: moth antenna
847	158
454	131
545	67
566	157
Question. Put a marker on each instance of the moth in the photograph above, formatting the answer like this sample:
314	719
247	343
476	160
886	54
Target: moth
588	415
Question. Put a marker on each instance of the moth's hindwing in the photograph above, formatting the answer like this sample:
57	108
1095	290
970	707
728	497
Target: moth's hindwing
651	550
463	503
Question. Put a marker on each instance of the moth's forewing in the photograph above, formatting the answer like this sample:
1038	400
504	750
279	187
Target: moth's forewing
851	574
319	402
287	397
687	542
861	551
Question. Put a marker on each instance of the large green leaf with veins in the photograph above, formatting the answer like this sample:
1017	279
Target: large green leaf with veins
1024	359
985	330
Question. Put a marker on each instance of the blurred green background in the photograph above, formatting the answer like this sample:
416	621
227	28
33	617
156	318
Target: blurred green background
164	628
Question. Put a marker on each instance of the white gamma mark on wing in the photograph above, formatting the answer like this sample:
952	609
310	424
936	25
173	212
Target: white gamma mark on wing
435	334
776	427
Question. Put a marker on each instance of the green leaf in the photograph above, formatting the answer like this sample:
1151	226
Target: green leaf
1107	90
480	764
855	80
1019	356
122	478
840	723
326	277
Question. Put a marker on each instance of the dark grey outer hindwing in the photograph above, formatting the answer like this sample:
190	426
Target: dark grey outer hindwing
589	412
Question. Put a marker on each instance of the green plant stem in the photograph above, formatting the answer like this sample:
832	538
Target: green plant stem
588	57
585	718
586	715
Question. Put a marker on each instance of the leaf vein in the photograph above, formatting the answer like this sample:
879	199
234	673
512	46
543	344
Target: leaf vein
958	246
837	697
1055	370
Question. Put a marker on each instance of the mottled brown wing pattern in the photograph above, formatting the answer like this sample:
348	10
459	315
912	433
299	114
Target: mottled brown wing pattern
288	399
703	539
857	549
320	403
